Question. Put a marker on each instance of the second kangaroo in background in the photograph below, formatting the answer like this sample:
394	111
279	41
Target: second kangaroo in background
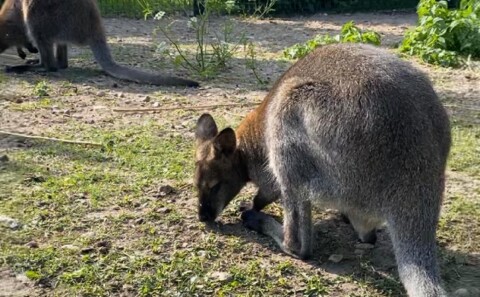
53	24
350	127
12	29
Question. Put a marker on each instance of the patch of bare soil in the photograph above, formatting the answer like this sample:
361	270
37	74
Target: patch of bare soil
12	285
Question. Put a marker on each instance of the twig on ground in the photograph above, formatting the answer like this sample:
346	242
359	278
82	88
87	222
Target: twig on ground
50	139
190	107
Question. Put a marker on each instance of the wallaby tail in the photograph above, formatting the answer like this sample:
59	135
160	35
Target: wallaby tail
102	55
413	238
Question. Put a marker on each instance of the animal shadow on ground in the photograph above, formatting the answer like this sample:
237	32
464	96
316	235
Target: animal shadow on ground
376	266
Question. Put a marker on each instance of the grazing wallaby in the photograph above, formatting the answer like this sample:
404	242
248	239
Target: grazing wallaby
12	29
350	127
53	24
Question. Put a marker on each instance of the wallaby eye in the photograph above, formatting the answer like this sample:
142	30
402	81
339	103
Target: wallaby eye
214	190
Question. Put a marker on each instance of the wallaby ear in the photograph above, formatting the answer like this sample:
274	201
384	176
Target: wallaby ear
226	142
206	127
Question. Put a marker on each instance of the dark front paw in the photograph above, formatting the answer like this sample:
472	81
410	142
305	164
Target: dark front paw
254	220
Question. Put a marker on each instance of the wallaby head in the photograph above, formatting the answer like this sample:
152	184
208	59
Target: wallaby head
218	168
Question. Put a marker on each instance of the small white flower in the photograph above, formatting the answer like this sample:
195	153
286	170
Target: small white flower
159	15
162	48
192	23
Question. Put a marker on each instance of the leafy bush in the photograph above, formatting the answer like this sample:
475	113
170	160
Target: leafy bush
443	36
349	33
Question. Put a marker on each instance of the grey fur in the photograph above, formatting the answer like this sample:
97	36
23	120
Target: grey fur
354	128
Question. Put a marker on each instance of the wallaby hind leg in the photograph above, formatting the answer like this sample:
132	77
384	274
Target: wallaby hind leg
297	225
47	57
366	228
413	238
62	56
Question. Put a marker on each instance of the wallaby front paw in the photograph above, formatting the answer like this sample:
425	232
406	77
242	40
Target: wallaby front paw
254	220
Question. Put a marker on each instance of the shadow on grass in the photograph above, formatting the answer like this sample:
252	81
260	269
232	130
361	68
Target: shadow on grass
292	30
377	267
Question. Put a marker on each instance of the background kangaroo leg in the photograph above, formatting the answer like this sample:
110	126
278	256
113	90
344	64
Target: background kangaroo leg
62	56
21	53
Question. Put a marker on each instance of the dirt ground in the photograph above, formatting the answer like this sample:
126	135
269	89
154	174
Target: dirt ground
82	99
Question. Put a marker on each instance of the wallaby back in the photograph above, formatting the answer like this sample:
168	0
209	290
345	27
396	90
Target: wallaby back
351	127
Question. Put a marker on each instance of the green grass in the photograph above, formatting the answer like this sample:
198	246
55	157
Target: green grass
465	151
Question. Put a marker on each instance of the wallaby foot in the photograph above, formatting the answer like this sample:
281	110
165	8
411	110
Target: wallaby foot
62	56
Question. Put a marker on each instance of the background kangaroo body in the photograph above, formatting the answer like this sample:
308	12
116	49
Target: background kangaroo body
350	127
12	29
53	24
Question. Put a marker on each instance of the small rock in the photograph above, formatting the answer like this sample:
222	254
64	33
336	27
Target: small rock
70	247
364	246
165	191
22	278
155	104
103	250
4	159
87	250
121	95
463	292
35	179
9	222
335	258
359	252
101	94
104	243
32	244
164	210
220	276
146	99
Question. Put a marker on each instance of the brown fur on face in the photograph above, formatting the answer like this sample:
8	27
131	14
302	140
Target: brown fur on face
218	170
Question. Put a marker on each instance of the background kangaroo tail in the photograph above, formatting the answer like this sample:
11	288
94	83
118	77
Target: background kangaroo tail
102	55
